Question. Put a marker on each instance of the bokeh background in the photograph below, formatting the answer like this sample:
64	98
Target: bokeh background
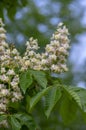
39	18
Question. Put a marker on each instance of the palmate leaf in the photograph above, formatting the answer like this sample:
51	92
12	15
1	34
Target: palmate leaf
40	77
34	100
51	98
2	117
68	110
69	91
15	124
26	119
81	92
25	81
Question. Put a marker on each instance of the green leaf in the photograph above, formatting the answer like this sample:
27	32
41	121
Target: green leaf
14	123
23	117
2	117
81	92
84	116
69	91
40	77
26	119
14	105
25	81
68	110
34	100
27	103
51	98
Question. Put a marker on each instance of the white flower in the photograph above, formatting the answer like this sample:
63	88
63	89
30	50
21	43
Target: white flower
2	30
44	61
4	44
52	57
60	24
55	68
27	43
2	86
27	63
2	49
3	70
14	84
4	78
50	48
2	106
31	53
2	36
10	72
14	51
4	92
16	96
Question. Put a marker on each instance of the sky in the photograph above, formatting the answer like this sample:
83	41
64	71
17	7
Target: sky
78	51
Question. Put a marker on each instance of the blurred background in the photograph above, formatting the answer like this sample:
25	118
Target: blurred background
39	18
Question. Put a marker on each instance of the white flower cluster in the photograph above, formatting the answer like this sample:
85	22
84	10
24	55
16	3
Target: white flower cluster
55	55
9	79
57	50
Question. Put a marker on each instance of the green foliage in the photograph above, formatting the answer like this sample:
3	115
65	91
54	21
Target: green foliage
71	99
26	119
82	95
25	81
31	18
15	124
18	120
40	77
72	95
2	117
68	110
51	98
14	105
34	100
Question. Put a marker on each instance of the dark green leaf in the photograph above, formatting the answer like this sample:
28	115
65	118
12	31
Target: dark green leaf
34	100
68	110
26	119
25	81
14	105
82	95
51	98
69	91
14	123
84	116
27	103
2	117
40	77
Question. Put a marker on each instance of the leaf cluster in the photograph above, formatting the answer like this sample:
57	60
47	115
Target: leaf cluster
39	85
